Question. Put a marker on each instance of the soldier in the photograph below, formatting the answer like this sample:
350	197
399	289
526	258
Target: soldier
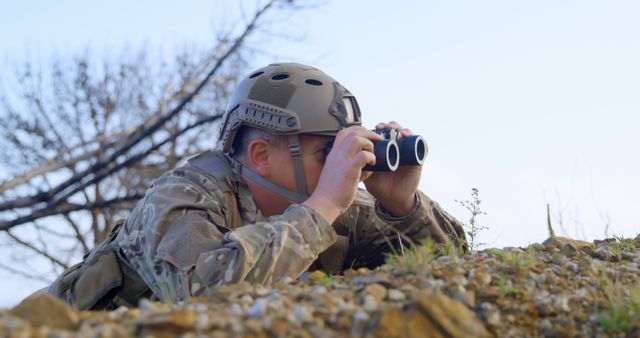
271	202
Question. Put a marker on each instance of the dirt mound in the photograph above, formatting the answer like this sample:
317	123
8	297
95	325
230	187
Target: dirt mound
559	288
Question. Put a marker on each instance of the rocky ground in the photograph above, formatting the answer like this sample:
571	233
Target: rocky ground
561	288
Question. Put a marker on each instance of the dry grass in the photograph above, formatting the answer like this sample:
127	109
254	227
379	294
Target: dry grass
413	259
623	314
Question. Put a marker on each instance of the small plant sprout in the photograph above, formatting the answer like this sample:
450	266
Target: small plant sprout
515	260
506	287
625	244
327	280
549	225
624	307
622	244
473	228
414	258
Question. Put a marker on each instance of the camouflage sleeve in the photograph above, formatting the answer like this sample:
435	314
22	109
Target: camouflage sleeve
177	241
375	232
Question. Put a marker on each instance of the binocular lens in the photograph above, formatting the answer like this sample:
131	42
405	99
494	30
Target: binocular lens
413	150
387	156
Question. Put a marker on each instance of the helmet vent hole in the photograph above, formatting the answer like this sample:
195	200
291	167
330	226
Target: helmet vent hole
280	76
313	82
254	75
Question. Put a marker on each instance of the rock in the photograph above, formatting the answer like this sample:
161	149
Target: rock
260	291
285	280
253	325
183	319
147	307
605	241
361	316
561	303
395	324
466	297
202	322
232	290
111	330
317	292
396	295
10	323
573	267
564	292
479	277
366	280
370	303
302	313
568	250
247	299
47	310
603	252
278	328
490	313
546	328
236	310
595	318
544	305
451	316
629	256
568	246
433	314
258	309
377	291
488	294
447	260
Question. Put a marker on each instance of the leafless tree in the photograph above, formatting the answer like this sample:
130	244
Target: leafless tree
81	140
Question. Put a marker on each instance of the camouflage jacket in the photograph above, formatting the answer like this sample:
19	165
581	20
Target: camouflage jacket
195	230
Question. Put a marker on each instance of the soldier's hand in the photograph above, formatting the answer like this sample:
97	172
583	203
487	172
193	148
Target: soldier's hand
352	150
395	191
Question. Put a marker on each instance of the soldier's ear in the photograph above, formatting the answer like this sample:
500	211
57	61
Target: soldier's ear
258	156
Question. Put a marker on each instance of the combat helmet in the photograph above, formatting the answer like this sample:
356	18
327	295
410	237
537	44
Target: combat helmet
288	99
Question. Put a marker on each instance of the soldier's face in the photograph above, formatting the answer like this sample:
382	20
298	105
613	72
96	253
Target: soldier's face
313	157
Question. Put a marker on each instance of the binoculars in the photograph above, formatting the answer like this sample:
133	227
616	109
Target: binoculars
395	150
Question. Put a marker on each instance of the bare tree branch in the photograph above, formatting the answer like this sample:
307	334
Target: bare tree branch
66	189
76	230
67	139
24	274
37	250
65	209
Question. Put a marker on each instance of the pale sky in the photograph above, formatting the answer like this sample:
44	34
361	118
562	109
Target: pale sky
532	102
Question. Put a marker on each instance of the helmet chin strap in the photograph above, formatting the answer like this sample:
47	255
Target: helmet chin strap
301	182
296	153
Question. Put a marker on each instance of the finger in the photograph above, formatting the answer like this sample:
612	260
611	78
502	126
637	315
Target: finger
355	130
390	125
366	133
350	146
362	159
394	125
358	143
367	145
406	132
372	136
346	134
356	164
364	175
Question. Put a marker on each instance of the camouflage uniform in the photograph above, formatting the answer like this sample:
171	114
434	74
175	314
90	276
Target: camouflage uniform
198	226
181	239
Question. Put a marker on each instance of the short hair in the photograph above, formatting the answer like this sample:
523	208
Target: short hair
245	135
